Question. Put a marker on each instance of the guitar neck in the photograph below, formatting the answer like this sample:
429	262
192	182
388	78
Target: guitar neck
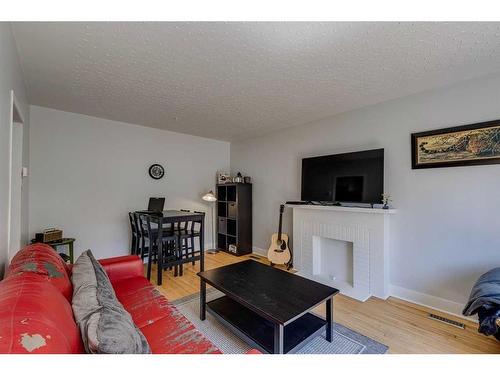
280	226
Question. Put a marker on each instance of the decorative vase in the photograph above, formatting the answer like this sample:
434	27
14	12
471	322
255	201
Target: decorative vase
238	178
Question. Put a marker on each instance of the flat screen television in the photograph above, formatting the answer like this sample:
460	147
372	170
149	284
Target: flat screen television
354	177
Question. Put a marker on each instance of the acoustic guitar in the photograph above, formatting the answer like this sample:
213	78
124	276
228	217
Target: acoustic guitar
279	252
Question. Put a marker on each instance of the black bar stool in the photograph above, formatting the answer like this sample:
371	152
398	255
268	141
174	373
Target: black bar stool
134	247
169	242
186	233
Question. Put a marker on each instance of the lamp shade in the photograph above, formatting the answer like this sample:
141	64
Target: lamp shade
209	197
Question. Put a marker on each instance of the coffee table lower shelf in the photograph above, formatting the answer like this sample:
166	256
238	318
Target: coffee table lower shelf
258	331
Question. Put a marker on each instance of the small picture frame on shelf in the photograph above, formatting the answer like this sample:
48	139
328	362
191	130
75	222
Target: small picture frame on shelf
223	177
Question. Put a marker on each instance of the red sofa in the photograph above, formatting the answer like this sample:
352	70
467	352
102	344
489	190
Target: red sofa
36	314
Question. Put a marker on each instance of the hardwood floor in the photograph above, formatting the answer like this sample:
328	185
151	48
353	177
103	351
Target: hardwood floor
403	326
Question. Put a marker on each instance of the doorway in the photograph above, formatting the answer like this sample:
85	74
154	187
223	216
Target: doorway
14	236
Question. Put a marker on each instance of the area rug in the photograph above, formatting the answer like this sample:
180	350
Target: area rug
345	340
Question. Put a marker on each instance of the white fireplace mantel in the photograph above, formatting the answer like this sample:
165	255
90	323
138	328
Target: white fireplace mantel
366	210
367	230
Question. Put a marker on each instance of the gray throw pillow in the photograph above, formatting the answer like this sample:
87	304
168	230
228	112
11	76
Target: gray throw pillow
106	327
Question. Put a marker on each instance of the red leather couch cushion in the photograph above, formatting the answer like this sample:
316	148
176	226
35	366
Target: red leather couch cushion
35	317
165	328
142	300
174	334
43	260
123	267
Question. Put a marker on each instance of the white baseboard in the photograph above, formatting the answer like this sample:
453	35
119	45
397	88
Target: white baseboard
430	301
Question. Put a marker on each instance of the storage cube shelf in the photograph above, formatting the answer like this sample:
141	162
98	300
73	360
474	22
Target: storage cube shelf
234	217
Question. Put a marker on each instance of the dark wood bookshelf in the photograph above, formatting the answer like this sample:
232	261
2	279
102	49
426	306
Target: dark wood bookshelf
234	217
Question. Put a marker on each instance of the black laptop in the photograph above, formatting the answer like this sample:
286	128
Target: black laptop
156	204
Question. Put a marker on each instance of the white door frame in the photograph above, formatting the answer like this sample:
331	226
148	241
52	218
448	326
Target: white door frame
14	110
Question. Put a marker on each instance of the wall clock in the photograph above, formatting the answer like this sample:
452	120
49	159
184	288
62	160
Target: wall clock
156	171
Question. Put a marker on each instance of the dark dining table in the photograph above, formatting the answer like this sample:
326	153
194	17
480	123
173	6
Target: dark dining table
171	217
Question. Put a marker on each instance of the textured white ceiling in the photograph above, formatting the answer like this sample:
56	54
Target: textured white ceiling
236	80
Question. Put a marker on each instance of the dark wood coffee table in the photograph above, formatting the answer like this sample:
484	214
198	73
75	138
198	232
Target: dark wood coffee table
267	307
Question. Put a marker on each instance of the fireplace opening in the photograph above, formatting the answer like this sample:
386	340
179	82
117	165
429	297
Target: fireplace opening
333	261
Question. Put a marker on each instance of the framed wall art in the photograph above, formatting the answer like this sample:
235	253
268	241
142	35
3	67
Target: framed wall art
475	144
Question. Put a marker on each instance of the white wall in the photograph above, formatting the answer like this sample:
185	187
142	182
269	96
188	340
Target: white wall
10	79
447	230
88	173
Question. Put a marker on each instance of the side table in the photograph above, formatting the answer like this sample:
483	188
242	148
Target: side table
62	242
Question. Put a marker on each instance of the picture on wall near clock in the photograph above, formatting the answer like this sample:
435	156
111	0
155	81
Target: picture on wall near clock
156	171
